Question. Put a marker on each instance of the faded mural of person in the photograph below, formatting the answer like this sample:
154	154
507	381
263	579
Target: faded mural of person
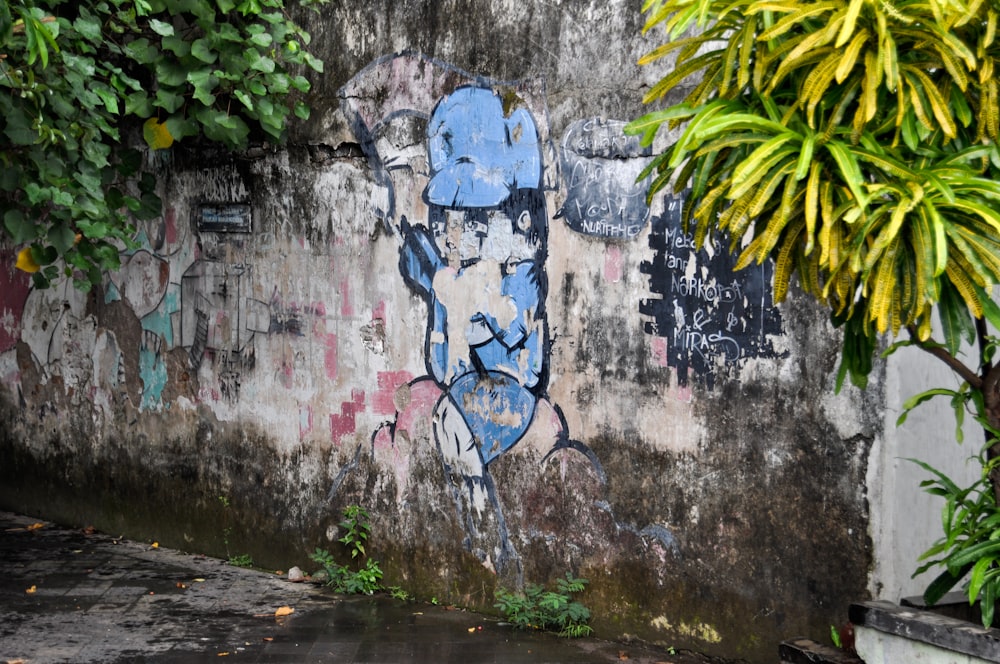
477	260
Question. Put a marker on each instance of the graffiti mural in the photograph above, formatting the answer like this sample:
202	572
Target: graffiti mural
461	161
601	166
707	313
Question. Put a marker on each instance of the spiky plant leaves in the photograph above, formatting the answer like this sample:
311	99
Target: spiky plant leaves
850	140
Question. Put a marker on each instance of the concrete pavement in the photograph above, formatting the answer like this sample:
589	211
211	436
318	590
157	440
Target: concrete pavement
72	596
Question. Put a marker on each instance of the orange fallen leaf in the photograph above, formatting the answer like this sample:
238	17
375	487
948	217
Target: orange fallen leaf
31	590
472	630
181	585
268	638
223	654
284	611
35	526
156	545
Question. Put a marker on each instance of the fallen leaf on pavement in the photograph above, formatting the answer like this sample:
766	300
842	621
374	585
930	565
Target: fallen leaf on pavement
155	545
199	580
284	611
31	590
181	585
35	526
268	638
472	630
223	654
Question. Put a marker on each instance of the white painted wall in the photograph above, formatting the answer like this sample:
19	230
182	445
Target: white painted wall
905	520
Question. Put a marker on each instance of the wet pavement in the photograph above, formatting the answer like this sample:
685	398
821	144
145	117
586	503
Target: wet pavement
73	596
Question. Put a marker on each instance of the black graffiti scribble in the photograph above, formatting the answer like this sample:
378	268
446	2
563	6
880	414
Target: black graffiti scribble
708	313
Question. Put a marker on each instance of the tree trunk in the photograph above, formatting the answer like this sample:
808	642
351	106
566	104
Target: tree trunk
990	387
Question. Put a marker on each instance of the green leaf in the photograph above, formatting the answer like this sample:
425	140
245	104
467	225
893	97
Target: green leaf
956	320
257	61
176	45
88	26
18	128
989	601
21	230
181	126
108	96
961	561
301	110
161	28
6	23
171	73
248	7
263	39
941	585
139	104
168	100
141	51
202	49
314	63
918	399
150	207
62	238
204	82
243	98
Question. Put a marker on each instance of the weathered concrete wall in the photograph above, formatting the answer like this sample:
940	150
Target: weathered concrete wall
447	301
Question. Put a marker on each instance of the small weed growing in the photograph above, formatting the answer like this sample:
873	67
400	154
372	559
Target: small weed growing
537	608
398	593
243	560
365	580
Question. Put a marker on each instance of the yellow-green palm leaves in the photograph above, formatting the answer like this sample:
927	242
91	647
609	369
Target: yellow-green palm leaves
852	141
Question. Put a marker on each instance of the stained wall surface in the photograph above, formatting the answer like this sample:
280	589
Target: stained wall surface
447	300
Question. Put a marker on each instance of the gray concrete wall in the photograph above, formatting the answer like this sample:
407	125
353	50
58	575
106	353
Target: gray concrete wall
548	380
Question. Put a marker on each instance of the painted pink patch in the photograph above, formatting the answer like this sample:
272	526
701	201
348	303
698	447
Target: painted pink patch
330	355
346	309
658	351
378	313
170	223
14	287
683	392
344	423
613	263
383	402
424	395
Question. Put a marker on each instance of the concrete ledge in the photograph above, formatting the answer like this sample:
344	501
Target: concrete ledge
801	650
882	630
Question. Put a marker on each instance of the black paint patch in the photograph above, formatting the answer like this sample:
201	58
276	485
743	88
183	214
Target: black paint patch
709	313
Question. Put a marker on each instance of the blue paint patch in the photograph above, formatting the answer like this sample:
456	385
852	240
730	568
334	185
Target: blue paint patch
153	373
159	320
496	409
112	294
478	155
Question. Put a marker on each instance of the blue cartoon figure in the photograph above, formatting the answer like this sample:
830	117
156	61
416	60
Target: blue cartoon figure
459	175
479	266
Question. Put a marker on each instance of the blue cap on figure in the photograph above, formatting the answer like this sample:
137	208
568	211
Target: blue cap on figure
477	155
